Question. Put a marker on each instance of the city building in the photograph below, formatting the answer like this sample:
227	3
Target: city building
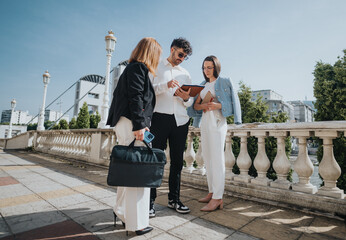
89	89
16	130
266	95
53	116
117	71
302	112
274	102
19	117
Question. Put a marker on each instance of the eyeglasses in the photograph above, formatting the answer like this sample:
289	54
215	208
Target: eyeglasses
182	55
207	68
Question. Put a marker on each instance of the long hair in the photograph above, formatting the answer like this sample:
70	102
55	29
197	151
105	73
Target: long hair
147	51
217	66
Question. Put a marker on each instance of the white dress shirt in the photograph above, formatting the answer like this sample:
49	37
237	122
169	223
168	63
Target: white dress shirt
166	102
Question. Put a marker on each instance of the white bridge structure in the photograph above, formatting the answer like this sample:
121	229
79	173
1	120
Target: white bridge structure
95	145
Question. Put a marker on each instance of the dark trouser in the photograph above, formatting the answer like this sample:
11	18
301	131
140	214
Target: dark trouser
164	127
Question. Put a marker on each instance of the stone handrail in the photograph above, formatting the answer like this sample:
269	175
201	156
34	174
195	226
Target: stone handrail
95	145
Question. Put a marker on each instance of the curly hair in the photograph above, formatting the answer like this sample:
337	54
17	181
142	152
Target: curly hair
184	44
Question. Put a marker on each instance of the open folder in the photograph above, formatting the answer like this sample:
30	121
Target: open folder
195	89
208	98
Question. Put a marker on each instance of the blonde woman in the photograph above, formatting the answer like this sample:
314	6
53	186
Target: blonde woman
131	112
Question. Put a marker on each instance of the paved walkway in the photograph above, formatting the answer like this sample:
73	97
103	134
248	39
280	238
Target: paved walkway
43	197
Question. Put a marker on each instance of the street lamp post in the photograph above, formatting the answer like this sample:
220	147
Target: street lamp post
110	46
46	78
13	105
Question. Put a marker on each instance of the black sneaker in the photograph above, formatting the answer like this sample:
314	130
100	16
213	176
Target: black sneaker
178	206
152	212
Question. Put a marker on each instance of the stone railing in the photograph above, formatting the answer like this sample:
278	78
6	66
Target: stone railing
91	145
95	145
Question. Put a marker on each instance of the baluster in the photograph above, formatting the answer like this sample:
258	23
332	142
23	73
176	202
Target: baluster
303	165
189	154
329	169
281	163
243	160
229	157
199	157
88	144
261	161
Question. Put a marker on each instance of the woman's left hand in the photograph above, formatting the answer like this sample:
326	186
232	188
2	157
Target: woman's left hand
213	106
139	134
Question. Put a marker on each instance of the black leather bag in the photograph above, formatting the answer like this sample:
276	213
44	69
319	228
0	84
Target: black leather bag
139	166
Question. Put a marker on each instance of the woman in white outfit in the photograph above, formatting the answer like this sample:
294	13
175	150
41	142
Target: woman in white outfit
131	112
215	100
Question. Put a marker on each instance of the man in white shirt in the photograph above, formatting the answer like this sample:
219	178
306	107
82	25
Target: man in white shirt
170	120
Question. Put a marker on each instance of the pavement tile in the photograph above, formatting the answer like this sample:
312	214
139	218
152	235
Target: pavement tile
3	173
260	228
48	186
165	236
201	228
167	218
28	208
62	230
65	180
241	236
16	190
329	227
237	214
14	201
26	222
7	181
4	231
60	202
96	221
80	209
109	201
286	216
317	236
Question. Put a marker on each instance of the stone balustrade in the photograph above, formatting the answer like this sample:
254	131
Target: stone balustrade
95	145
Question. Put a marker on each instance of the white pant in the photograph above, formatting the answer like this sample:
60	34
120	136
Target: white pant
132	204
213	135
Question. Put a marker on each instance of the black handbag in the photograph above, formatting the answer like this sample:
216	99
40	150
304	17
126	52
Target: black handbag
140	166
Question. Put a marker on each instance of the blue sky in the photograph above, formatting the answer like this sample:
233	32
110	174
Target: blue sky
266	44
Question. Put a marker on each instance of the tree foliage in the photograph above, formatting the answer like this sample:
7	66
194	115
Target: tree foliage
95	119
83	119
73	123
330	94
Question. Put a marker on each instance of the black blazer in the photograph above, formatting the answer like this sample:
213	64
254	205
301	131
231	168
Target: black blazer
133	98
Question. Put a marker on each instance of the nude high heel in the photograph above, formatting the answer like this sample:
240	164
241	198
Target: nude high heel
213	205
206	199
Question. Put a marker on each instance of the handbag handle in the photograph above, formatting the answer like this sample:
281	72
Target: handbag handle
132	144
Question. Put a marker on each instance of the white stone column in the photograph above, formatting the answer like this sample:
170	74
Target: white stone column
229	157
189	154
199	157
303	165
261	161
281	164
243	160
329	169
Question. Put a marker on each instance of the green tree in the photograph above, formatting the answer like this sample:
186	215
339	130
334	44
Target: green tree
330	94
48	124
83	119
95	119
31	126
63	124
73	123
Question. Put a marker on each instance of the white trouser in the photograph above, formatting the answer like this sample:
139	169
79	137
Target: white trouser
213	135
132	204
